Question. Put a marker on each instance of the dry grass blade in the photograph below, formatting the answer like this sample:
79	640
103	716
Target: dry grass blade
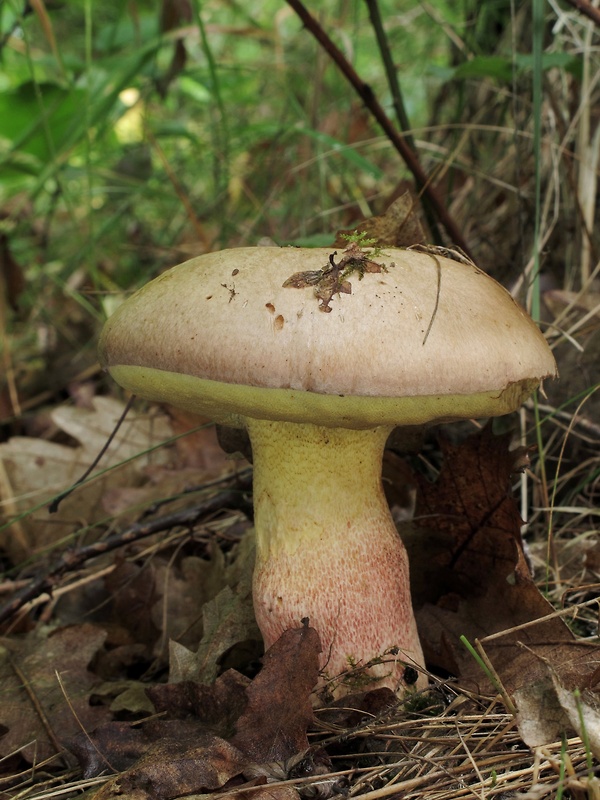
460	754
474	756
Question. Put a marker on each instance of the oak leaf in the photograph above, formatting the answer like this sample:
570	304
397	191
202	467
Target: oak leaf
470	575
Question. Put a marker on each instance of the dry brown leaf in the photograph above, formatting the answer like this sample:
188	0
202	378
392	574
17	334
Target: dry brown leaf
470	575
540	717
31	672
36	469
274	724
515	654
168	599
113	747
182	760
184	589
398	226
564	700
227	620
199	449
217	706
133	590
184	713
196	458
181	756
473	515
583	711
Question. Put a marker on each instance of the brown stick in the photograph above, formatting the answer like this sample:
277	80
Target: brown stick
586	8
231	499
366	94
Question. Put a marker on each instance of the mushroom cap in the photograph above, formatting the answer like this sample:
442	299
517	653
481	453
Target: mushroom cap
428	339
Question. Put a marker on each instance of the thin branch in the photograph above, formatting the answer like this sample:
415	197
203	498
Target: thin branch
232	499
53	507
587	9
366	94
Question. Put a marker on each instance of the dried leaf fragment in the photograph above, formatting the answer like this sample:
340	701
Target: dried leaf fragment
37	468
227	620
471	507
333	279
28	676
473	579
184	756
300	280
274	724
188	762
398	226
560	702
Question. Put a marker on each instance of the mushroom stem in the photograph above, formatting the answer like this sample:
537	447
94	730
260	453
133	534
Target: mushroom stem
328	550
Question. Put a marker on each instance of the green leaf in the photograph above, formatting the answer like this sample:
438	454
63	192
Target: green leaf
195	90
567	61
501	68
346	151
496	67
39	121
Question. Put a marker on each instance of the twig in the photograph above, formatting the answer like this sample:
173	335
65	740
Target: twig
438	268
232	499
587	9
53	507
366	94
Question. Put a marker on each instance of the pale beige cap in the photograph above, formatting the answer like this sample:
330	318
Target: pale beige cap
428	339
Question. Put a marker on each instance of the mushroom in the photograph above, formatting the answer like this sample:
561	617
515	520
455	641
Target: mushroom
319	356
